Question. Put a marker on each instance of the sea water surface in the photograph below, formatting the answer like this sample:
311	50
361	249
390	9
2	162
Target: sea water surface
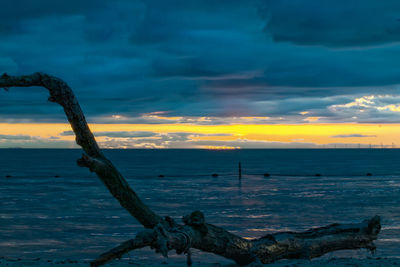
52	209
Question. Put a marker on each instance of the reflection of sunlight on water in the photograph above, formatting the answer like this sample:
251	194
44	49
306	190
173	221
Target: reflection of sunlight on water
209	198
47	250
395	227
396	240
309	194
258	216
6	216
270	229
38	242
395	184
233	216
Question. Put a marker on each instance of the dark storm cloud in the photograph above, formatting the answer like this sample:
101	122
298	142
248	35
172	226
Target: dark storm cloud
341	23
14	13
199	58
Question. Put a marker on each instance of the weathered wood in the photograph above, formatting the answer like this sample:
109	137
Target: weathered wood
285	245
164	234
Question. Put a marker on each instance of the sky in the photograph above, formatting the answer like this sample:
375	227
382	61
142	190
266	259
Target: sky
206	74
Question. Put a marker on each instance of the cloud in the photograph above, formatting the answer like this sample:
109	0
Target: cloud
162	140
124	134
27	141
198	59
392	107
369	108
352	136
312	119
146	139
15	137
183	140
67	133
155	140
338	23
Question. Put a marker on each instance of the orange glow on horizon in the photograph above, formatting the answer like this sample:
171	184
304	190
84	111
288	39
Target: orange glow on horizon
319	134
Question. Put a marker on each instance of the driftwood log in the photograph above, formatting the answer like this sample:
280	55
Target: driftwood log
164	234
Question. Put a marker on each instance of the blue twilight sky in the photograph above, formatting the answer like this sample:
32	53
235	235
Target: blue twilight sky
333	61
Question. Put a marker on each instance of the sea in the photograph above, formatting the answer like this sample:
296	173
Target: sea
52	209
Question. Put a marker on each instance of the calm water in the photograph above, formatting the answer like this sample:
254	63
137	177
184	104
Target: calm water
74	216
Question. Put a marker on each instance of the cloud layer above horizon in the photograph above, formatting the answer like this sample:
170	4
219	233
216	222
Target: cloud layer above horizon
206	62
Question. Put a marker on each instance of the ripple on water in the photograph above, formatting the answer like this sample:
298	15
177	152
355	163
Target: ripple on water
55	217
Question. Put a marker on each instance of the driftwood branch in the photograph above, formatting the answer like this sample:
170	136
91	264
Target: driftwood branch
164	234
285	245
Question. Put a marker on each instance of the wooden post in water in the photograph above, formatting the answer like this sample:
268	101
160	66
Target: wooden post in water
240	170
